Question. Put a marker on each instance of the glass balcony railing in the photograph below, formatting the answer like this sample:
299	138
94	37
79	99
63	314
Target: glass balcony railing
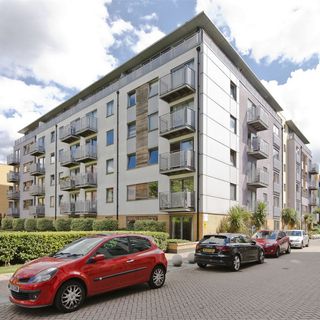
257	118
258	148
177	201
177	162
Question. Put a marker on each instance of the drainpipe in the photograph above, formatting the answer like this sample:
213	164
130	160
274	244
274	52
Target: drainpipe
282	171
117	161
56	172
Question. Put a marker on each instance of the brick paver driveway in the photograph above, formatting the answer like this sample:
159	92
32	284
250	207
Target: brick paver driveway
280	289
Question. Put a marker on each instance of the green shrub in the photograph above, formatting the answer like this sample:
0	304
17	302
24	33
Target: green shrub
44	224
19	247
62	224
18	224
106	224
30	225
78	224
150	225
6	224
177	241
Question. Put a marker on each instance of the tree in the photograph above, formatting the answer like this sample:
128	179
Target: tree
289	217
238	219
308	220
316	212
260	214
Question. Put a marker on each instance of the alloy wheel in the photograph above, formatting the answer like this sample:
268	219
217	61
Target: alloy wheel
71	297
236	263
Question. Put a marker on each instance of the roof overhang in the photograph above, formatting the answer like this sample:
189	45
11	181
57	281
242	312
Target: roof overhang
296	130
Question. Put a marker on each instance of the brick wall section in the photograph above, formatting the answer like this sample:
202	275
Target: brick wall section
142	153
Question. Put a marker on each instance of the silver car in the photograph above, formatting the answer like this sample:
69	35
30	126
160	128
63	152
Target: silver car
298	238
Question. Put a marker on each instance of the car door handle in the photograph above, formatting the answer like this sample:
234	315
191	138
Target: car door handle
130	260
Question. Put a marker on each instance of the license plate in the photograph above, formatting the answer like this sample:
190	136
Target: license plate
208	250
13	287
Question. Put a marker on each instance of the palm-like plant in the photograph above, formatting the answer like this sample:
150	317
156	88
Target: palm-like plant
238	219
308	220
259	215
289	217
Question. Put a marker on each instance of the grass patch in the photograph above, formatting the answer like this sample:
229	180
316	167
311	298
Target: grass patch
9	269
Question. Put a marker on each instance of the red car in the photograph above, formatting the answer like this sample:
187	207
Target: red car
273	242
86	267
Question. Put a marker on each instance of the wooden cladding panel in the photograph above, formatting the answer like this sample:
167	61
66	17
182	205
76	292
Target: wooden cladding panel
142	152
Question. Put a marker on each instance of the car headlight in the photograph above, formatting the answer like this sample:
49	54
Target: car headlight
44	275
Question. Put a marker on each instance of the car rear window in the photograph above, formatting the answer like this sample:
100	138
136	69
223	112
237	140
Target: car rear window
215	239
265	235
294	233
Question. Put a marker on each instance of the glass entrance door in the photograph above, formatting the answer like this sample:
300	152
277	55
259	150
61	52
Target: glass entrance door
181	227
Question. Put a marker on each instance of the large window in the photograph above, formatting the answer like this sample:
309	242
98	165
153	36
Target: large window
153	121
131	99
109	111
109	195
142	191
132	161
153	156
180	185
153	88
131	129
109	166
109	137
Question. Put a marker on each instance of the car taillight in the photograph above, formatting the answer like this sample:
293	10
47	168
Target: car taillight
198	247
223	248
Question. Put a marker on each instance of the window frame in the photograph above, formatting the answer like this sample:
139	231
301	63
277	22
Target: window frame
128	160
111	160
134	134
130	94
112	194
112	109
155	114
107	132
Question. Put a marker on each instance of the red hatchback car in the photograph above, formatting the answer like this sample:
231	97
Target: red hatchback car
86	267
273	242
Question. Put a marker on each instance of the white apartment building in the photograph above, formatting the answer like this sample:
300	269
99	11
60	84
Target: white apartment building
179	133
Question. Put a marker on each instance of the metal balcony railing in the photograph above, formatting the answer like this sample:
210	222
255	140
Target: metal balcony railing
13	195
67	158
13	159
276	164
257	118
258	178
13	212
177	162
177	84
38	211
258	148
37	169
314	201
86	207
87	180
313	185
67	183
86	153
177	123
68	133
67	207
37	149
13	176
37	190
177	201
314	169
276	140
86	126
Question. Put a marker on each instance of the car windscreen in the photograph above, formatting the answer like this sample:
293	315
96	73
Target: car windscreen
79	247
265	235
294	233
214	239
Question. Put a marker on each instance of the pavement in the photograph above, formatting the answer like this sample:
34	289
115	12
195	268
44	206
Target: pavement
286	288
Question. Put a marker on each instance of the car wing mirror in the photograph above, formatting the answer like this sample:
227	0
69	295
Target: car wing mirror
253	241
96	258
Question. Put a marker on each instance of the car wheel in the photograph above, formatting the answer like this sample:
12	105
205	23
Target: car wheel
201	265
236	263
307	245
277	254
261	257
288	249
70	296
157	278
302	245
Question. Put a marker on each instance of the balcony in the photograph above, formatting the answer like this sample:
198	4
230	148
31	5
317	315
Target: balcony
13	195
298	195
86	126
276	140
13	176
258	148
68	134
313	201
313	185
177	162
314	169
67	184
86	153
305	193
276	164
13	212
37	149
87	180
13	160
37	190
67	208
258	179
276	212
177	123
37	169
79	207
67	159
257	118
276	187
177	201
177	84
37	211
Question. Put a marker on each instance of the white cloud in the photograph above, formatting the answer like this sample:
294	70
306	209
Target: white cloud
299	98
286	29
120	26
149	17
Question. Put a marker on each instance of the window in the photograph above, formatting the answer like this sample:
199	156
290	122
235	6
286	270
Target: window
131	99
52	158
60	198
233	192
276	131
276	202
92	114
27	204
131	161
153	121
27	185
233	90
276	154
153	156
142	191
109	166
131	129
51	201
109	137
52	180
233	158
109	111
114	247
60	154
109	195
26	167
139	244
233	124
276	177
153	88
52	136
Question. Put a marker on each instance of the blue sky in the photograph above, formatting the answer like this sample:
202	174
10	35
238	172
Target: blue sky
49	50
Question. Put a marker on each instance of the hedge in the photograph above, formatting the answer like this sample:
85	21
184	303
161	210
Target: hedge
106	224
44	224
6	224
62	224
18	224
30	225
19	247
81	224
150	225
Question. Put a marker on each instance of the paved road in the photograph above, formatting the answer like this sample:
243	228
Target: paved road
280	289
